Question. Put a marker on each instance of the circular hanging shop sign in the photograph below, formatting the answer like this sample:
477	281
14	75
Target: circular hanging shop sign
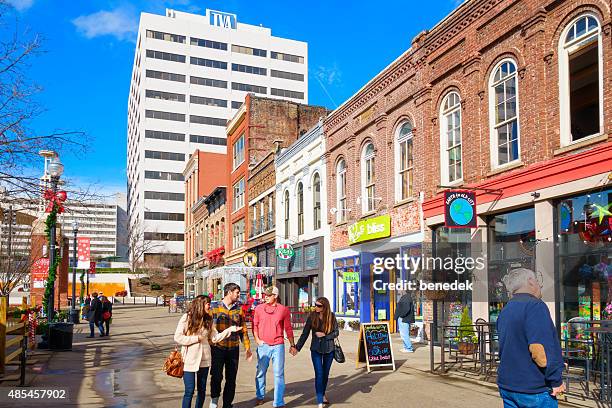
249	259
460	209
285	251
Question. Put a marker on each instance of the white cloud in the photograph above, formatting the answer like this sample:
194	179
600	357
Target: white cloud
21	5
329	75
121	23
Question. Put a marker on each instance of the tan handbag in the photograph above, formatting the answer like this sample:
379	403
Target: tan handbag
174	364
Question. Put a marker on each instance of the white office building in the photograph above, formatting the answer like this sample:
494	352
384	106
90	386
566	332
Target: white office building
102	223
191	73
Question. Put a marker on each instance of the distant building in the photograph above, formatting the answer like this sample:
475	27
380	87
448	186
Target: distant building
191	73
104	224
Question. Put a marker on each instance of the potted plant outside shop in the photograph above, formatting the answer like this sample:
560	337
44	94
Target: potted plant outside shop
466	335
354	324
341	323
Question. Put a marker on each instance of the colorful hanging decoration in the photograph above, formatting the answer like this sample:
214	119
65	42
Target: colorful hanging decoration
55	200
215	257
259	287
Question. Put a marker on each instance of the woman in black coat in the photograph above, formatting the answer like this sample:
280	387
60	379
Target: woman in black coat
324	327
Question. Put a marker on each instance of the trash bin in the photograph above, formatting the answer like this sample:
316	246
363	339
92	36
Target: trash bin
60	336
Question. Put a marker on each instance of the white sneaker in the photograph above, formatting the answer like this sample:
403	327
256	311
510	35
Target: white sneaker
214	402
320	406
403	350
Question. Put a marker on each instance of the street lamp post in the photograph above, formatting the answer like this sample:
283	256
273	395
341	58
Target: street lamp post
55	168
74	314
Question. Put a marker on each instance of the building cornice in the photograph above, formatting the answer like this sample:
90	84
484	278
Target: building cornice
236	120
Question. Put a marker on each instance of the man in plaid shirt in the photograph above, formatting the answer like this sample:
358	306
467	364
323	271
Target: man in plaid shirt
226	353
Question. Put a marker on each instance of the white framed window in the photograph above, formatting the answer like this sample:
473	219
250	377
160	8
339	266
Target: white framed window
238	152
404	174
368	178
287	210
238	234
341	191
238	201
316	202
451	163
300	207
581	80
503	114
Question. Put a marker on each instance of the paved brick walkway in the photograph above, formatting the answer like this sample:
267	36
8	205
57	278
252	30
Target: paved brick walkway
124	370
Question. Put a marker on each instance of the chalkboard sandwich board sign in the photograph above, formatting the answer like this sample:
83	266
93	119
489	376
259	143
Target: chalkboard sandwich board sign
375	348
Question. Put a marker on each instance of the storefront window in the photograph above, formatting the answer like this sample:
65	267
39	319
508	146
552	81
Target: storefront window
346	272
311	257
511	244
584	239
453	243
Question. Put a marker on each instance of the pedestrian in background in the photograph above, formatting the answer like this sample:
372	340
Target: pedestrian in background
226	353
324	327
194	332
95	315
405	317
107	313
271	321
531	363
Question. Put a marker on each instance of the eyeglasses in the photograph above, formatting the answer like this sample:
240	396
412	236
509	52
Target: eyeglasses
318	305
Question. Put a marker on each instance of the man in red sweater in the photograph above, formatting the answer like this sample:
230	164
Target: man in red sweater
270	322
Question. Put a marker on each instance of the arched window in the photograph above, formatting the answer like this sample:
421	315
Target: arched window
222	232
404	162
368	179
341	191
451	165
300	205
286	214
503	111
581	80
316	202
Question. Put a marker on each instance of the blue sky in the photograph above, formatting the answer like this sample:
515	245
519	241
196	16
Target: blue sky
89	46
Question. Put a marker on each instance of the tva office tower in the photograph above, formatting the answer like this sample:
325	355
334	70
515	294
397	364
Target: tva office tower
191	73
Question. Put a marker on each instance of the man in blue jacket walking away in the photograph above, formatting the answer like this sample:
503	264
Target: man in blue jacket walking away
531	363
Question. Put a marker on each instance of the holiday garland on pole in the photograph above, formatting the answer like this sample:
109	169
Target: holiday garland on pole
55	206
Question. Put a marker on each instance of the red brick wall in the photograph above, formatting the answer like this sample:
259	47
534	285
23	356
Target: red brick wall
459	54
266	121
211	172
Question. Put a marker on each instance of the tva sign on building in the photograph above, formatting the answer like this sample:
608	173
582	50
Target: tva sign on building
220	19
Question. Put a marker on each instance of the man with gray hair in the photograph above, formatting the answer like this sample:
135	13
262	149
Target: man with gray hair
531	363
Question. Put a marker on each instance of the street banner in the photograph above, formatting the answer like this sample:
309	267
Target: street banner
83	252
92	270
40	272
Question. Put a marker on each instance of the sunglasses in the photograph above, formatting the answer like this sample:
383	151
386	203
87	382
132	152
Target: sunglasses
318	305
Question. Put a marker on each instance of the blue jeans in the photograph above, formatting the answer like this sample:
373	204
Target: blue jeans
189	378
277	354
100	327
404	330
519	400
322	364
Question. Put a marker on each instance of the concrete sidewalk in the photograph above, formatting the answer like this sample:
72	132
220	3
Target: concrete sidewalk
124	370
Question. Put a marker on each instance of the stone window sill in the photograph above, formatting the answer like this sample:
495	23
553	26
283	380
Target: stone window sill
581	143
505	168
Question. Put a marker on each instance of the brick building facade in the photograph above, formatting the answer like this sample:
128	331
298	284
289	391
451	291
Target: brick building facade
260	126
499	95
261	229
203	174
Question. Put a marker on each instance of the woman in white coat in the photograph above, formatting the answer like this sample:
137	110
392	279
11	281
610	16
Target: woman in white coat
194	333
